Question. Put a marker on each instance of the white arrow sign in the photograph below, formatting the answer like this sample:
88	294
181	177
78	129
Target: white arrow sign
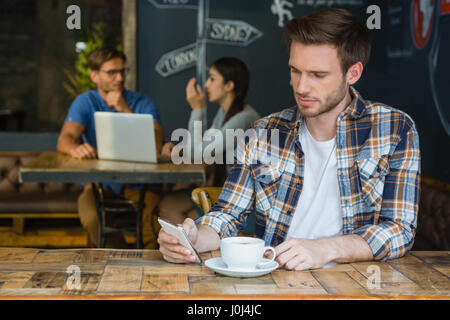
177	60
234	32
171	4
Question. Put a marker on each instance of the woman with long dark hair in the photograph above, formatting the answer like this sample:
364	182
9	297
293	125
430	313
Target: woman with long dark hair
227	85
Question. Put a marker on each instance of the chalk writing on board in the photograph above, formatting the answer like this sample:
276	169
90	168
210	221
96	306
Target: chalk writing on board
177	60
174	4
283	8
279	8
395	15
234	32
398	53
329	3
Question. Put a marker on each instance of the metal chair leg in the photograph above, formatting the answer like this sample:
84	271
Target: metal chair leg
98	196
101	215
139	209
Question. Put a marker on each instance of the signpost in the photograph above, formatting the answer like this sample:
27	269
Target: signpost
231	32
222	31
177	60
175	4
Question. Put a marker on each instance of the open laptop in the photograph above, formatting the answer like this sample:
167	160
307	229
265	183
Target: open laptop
125	136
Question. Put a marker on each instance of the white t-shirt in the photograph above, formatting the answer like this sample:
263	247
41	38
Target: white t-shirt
318	213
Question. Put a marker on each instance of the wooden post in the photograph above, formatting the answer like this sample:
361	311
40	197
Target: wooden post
18	225
129	41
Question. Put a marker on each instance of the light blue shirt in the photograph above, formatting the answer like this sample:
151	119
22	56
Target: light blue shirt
85	105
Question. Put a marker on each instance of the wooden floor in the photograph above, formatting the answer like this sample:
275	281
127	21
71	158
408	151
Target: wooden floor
142	274
42	231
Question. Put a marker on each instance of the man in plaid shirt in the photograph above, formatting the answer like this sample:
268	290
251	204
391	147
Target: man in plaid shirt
346	184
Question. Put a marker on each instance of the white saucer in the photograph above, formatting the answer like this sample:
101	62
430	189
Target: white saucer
219	266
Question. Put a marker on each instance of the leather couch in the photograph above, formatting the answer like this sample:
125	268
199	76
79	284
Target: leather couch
433	227
27	204
32	197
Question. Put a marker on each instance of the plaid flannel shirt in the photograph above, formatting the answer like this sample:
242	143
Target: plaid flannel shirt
378	170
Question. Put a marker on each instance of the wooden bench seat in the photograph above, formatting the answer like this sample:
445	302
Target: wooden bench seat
23	204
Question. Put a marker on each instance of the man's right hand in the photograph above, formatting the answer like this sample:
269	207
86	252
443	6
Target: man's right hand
171	248
84	151
166	150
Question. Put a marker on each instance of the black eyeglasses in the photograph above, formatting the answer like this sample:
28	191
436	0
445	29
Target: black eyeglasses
112	73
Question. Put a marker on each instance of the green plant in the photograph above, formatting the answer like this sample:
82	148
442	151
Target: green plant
80	81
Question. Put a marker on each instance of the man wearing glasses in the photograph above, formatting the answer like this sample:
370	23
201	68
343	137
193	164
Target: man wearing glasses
78	138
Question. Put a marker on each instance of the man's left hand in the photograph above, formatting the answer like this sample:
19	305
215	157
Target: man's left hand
115	100
302	254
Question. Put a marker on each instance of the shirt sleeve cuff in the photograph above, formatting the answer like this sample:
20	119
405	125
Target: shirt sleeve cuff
196	114
377	241
223	228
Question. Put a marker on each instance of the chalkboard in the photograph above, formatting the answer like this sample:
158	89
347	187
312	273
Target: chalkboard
408	67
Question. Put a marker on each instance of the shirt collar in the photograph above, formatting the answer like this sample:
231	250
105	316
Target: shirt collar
357	106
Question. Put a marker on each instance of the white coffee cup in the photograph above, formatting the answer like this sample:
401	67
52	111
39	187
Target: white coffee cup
244	253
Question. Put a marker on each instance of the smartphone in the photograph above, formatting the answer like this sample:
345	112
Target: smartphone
179	233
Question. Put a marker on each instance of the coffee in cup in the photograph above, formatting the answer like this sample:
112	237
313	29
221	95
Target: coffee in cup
244	253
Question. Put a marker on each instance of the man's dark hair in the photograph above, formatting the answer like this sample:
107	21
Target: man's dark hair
99	56
336	27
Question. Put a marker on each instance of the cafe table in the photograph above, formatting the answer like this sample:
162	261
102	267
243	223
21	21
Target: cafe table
58	167
27	273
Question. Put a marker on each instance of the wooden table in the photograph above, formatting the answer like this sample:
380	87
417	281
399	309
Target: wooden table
143	274
57	167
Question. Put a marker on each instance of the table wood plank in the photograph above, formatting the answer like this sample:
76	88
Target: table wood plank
165	283
435	258
47	280
137	273
199	288
387	273
55	257
121	279
14	284
266	289
9	255
208	286
15	276
29	292
92	256
14	279
89	283
339	267
339	283
300	281
427	278
190	269
445	270
405	288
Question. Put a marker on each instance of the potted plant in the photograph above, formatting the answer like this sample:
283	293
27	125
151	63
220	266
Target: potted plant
80	81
